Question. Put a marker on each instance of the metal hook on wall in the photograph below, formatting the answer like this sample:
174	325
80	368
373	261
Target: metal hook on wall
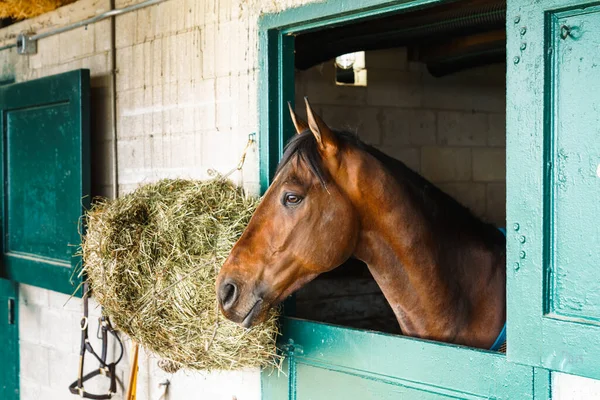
565	32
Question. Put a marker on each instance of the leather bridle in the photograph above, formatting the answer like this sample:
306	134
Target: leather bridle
108	370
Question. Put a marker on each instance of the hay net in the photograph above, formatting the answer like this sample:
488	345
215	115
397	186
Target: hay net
151	258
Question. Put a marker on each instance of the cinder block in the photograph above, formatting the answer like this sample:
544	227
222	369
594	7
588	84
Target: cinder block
30	322
321	88
145	25
217	151
60	301
33	295
497	130
29	389
183	43
149	66
422	127
211	11
489	165
63	370
177	14
131	154
125	30
364	121
149	107
76	43
446	164
224	97
235	34
55	393
102	35
462	128
496	204
124	68
196	55
34	363
183	151
386	59
394	88
61	329
35	61
209	50
438	94
224	9
170	72
469	194
97	63
157	117
138	73
157	62
407	127
410	156
193	14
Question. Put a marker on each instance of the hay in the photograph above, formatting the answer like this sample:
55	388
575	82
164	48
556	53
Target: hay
151	258
23	9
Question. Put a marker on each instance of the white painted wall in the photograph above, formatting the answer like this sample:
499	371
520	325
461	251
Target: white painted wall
186	101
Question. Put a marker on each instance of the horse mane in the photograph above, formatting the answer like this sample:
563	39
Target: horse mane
438	206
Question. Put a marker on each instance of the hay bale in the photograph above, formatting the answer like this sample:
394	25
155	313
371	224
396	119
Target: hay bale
151	258
23	9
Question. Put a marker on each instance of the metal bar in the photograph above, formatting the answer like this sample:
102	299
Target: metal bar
100	17
108	14
113	102
8	46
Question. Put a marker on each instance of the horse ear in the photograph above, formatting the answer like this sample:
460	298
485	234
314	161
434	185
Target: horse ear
325	136
299	123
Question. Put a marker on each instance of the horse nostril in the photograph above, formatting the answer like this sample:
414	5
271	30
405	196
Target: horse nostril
228	294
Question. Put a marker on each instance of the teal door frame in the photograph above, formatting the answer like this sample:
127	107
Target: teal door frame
387	365
9	327
9	337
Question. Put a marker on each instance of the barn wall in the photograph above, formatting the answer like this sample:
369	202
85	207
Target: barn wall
450	129
186	101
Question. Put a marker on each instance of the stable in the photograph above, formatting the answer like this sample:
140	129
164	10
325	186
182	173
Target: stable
494	102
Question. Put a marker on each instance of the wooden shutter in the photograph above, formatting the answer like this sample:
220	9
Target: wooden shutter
553	185
46	176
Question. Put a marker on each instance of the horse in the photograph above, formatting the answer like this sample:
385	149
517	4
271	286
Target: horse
441	269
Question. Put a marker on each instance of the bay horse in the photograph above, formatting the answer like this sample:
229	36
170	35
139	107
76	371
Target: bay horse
441	269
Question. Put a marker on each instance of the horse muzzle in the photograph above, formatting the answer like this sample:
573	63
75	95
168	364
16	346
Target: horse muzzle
245	309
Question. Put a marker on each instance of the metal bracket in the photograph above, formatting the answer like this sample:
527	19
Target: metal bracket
26	44
292	348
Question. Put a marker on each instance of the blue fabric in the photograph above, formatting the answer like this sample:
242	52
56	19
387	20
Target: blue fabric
500	340
502	336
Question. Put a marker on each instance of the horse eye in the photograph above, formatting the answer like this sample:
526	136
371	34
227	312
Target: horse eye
292	199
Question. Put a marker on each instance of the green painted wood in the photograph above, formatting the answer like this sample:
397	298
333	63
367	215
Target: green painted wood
330	13
9	337
325	361
45	148
343	363
553	89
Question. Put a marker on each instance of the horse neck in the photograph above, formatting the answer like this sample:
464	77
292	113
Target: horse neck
449	291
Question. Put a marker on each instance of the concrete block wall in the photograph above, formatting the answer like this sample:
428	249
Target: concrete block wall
186	100
450	129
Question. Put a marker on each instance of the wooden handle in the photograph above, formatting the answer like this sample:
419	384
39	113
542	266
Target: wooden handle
131	390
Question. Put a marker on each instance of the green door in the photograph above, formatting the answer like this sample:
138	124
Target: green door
9	337
45	170
325	362
331	362
553	184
